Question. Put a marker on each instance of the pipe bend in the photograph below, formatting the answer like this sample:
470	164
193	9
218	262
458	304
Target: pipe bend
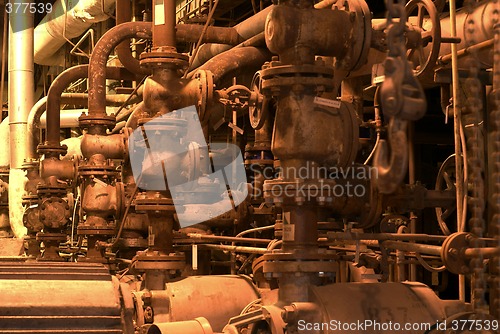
123	14
55	92
97	67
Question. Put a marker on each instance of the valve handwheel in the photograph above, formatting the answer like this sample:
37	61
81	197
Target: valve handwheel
258	104
424	51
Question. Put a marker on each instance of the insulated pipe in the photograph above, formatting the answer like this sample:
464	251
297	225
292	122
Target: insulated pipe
21	99
21	83
65	23
61	83
4	142
99	58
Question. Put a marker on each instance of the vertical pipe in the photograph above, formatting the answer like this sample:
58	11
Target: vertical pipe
164	23
123	51
21	99
412	179
457	125
4	55
21	82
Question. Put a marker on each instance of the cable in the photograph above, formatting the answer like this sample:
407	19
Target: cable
428	266
257	229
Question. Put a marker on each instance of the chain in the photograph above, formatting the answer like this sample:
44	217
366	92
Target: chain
402	99
494	227
472	120
395	37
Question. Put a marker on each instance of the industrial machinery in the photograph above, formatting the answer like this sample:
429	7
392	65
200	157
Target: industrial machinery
250	167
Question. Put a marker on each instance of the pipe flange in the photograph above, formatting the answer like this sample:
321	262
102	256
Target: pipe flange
175	126
97	171
283	262
30	165
47	190
154	203
452	253
54	212
86	121
153	260
299	192
206	87
55	149
289	76
362	23
46	236
156	59
31	219
90	229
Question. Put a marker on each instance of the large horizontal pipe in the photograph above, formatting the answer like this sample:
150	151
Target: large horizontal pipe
236	59
185	33
246	29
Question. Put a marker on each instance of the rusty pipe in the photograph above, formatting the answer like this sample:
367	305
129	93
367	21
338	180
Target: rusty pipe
190	33
123	14
411	247
111	146
61	83
198	236
164	24
97	67
246	29
187	33
236	59
81	99
236	249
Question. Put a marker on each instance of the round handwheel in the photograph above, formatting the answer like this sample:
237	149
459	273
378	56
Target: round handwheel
258	104
446	180
423	51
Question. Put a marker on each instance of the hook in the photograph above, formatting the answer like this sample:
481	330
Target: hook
391	171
